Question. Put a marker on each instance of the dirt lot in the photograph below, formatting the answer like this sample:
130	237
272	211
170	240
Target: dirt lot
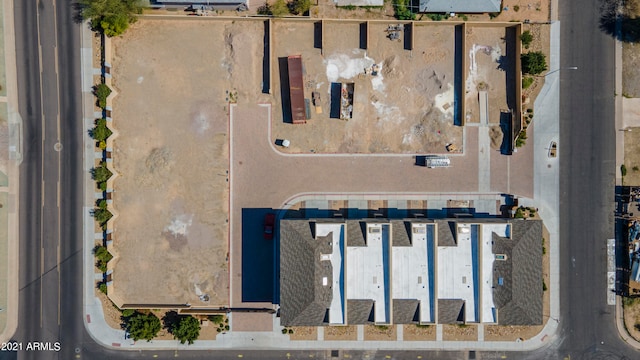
406	108
172	155
521	10
630	73
631	157
490	68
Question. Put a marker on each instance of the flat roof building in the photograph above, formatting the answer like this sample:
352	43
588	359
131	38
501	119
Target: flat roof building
382	271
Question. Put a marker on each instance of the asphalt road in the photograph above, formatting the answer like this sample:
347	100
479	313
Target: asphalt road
587	183
50	285
47	50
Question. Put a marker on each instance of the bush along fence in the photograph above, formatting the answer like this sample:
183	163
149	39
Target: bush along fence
103	173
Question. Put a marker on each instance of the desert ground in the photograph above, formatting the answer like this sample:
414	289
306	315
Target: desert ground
406	108
631	157
171	156
632	317
491	62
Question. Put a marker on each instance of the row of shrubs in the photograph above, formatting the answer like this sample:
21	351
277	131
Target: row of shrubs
100	174
144	325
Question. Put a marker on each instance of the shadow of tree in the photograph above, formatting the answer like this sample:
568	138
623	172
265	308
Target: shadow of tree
77	8
618	19
169	319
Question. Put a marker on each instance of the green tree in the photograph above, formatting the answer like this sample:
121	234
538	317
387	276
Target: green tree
101	173
402	10
533	62
299	7
101	132
186	330
279	8
102	92
102	215
112	17
143	326
526	38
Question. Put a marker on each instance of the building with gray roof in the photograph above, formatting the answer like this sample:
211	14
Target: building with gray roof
380	271
460	6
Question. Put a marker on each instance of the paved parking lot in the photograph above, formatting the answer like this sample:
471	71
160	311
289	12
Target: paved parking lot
262	177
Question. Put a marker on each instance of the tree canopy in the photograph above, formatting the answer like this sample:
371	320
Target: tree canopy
186	330
143	326
526	38
299	7
533	62
112	17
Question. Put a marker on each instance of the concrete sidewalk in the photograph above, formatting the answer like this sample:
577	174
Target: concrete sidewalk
547	201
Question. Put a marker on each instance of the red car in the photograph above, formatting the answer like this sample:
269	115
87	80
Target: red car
269	225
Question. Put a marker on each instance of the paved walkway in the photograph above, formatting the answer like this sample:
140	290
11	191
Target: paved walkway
262	177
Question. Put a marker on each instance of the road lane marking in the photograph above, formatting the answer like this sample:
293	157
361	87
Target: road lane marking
58	199
40	51
59	287
55	59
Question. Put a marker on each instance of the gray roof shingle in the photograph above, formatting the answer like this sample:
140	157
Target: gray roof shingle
519	299
405	311
303	298
449	311
359	311
355	233
401	233
446	233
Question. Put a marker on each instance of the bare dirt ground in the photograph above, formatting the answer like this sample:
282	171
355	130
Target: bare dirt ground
521	10
418	333
304	333
341	332
381	333
459	332
631	57
541	34
406	108
632	317
510	333
327	9
631	157
488	68
172	155
630	73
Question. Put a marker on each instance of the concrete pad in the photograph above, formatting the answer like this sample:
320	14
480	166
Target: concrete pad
630	113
